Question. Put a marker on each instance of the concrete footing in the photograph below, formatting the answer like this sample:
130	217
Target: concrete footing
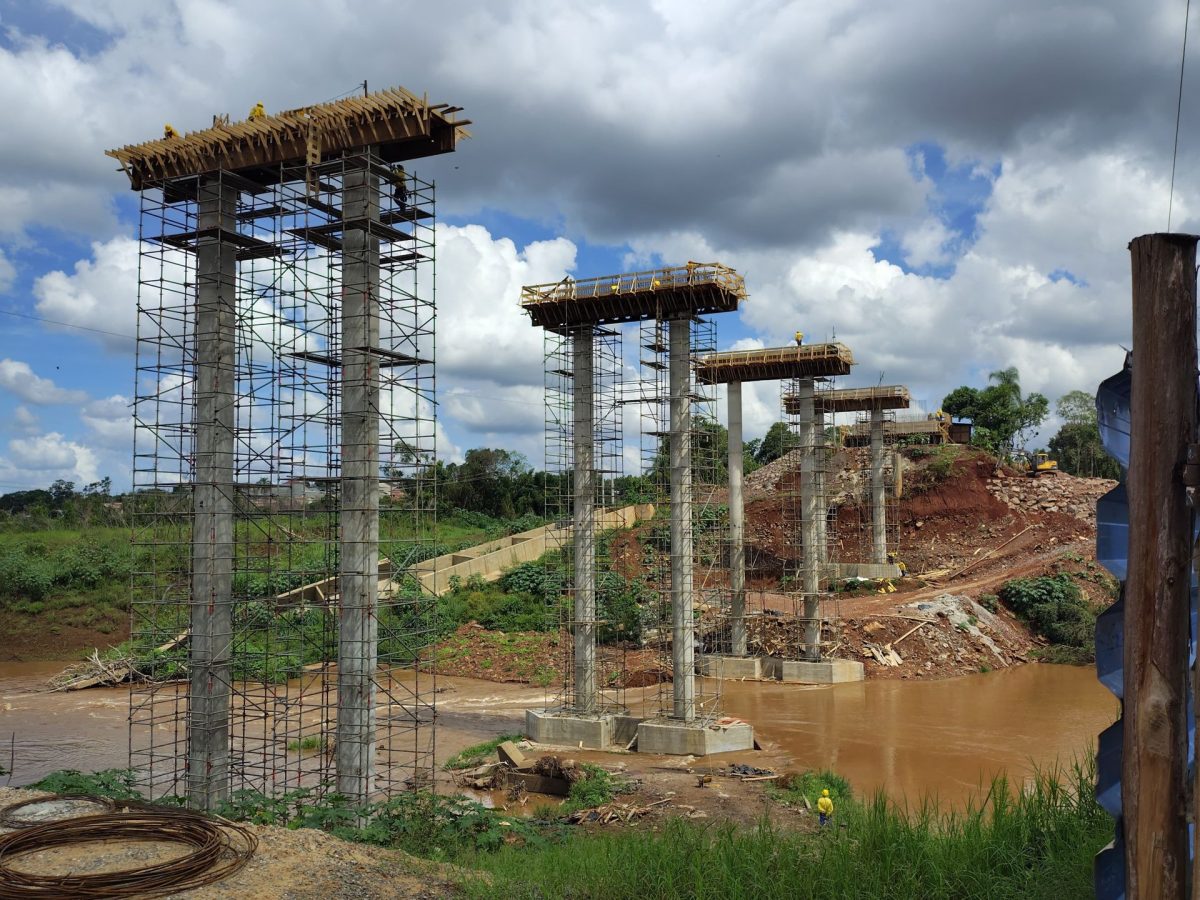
567	730
824	671
865	570
714	666
682	739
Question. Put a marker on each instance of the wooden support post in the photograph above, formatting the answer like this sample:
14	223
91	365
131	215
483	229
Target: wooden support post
1163	403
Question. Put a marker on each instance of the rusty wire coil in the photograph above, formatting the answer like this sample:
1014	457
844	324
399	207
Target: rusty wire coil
218	849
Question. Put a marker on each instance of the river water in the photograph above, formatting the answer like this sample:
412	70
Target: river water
913	738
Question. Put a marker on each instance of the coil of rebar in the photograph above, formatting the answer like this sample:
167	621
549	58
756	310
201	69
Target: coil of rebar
217	850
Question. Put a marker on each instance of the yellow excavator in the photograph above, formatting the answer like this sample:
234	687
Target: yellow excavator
1039	463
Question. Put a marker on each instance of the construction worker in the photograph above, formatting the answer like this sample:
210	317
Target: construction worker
825	807
169	131
799	338
257	111
400	187
895	560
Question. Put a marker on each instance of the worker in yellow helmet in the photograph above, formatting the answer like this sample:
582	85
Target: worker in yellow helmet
799	338
257	111
895	560
169	131
825	807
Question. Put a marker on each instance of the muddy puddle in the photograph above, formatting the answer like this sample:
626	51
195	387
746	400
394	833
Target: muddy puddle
913	738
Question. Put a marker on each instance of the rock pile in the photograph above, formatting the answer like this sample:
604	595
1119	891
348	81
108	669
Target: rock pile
1052	493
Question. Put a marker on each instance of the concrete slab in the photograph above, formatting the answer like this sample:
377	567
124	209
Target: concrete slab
566	730
678	739
825	671
715	666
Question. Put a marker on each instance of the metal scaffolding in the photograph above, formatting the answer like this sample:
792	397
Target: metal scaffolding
682	561
283	466
584	457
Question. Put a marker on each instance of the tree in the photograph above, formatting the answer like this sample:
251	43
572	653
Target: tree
1077	445
778	441
999	412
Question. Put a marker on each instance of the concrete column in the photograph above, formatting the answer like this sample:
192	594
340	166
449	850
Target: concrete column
821	464
683	649
583	401
358	645
809	514
737	544
878	500
211	606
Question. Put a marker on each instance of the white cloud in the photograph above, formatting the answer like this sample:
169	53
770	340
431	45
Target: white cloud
18	378
111	422
101	293
8	273
25	420
52	453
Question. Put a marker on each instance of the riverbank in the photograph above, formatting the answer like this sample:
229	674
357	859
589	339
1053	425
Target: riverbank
1035	843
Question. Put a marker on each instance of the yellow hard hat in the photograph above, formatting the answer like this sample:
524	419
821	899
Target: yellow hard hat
825	793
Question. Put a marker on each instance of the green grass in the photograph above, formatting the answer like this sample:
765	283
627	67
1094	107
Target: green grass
794	790
1037	844
478	754
307	744
597	787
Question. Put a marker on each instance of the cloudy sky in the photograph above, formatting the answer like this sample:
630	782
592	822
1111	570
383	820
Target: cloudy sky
947	187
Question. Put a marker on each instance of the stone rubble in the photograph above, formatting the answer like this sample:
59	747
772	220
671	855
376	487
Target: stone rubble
1060	493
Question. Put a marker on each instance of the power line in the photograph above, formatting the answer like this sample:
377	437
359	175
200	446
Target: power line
9	312
1178	113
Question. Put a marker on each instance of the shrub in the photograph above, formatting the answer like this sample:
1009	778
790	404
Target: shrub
1053	607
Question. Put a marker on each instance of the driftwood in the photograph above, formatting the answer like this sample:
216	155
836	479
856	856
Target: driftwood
97	672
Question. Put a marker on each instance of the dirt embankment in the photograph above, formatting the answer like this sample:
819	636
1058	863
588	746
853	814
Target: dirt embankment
962	527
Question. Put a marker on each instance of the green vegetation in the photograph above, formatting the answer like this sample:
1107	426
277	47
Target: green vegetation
1036	842
115	783
794	790
1054	608
478	754
597	787
999	412
307	744
1077	445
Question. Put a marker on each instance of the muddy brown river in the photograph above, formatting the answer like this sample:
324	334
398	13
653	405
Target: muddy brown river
912	738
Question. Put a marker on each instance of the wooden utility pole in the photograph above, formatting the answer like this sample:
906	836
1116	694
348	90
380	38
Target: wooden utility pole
1163	403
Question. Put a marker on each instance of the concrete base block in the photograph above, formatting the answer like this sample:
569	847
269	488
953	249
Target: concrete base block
678	739
825	671
729	666
566	730
625	729
865	570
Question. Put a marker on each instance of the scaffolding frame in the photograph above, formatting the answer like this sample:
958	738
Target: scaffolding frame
582	689
254	279
709	517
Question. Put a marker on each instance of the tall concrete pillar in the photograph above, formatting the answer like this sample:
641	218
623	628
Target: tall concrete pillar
358	645
683	650
211	602
809	515
878	500
583	401
821	465
737	540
